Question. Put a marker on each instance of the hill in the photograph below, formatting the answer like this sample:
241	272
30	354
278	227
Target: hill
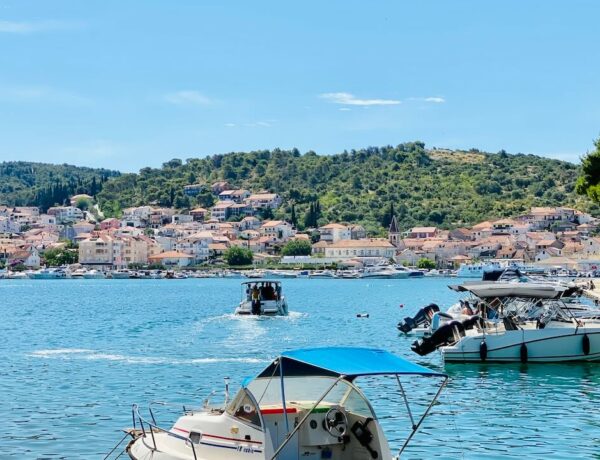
44	185
439	187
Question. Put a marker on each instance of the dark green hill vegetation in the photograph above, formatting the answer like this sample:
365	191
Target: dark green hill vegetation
437	187
44	185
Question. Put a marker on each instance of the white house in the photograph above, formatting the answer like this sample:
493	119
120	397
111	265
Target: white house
66	213
370	247
333	232
171	258
278	229
264	201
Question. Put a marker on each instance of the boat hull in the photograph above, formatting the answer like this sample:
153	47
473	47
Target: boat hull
541	345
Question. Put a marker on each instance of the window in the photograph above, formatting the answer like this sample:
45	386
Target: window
243	408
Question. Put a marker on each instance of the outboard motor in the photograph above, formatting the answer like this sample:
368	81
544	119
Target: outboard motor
422	317
439	319
445	335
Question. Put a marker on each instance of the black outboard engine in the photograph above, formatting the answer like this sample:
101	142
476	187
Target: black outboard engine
423	317
445	335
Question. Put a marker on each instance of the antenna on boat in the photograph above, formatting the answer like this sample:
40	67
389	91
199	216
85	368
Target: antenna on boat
226	389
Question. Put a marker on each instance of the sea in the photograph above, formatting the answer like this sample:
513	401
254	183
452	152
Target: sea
76	354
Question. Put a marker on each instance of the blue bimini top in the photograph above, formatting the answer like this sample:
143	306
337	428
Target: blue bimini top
346	362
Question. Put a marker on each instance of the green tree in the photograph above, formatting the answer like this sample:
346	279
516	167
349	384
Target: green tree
236	255
83	204
293	219
60	256
296	248
425	263
589	181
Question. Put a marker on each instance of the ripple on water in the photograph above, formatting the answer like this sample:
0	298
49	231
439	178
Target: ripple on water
76	355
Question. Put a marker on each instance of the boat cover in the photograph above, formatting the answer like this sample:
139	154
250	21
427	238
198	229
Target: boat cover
523	290
347	362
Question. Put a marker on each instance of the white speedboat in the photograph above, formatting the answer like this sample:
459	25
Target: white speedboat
48	274
121	274
514	322
305	405
78	274
281	274
255	274
323	274
262	298
17	275
383	272
94	275
348	274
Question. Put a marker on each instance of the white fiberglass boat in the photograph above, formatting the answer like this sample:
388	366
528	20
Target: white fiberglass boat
305	405
383	272
322	274
48	274
121	274
514	322
262	298
94	275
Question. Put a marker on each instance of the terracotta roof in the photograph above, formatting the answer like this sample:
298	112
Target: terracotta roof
370	243
263	196
482	225
171	255
423	230
274	223
333	225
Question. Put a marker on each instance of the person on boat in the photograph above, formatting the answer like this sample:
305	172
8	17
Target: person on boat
269	292
255	300
467	310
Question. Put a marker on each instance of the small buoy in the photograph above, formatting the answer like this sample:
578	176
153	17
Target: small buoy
401	305
523	353
483	350
585	342
362	315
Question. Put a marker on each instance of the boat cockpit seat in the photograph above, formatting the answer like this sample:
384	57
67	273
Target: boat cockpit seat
510	324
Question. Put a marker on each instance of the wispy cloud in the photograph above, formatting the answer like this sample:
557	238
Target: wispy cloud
351	99
432	99
435	99
344	109
259	124
24	27
41	94
187	97
230	125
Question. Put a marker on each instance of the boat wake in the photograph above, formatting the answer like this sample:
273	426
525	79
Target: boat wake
92	355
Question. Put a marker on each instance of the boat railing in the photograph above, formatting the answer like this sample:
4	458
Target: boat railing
149	428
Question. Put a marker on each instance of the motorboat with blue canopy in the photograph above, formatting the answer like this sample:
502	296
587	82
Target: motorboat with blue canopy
305	404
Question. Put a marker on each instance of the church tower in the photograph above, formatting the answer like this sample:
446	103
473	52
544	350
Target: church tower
394	232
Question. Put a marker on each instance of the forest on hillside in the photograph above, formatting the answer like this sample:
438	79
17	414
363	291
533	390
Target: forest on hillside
39	184
420	186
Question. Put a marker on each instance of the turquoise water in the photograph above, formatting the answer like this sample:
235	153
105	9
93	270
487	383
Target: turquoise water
75	354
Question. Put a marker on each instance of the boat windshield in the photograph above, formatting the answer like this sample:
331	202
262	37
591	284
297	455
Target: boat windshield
306	391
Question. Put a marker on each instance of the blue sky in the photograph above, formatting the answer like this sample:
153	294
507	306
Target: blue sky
128	84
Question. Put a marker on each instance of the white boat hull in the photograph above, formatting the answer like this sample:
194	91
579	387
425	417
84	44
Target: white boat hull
561	344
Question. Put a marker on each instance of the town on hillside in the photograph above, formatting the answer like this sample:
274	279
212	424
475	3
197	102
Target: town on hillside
156	236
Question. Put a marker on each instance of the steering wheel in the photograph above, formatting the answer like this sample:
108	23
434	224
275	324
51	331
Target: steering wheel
336	422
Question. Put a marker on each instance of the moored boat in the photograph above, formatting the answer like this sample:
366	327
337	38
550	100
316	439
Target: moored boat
305	404
516	322
94	275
